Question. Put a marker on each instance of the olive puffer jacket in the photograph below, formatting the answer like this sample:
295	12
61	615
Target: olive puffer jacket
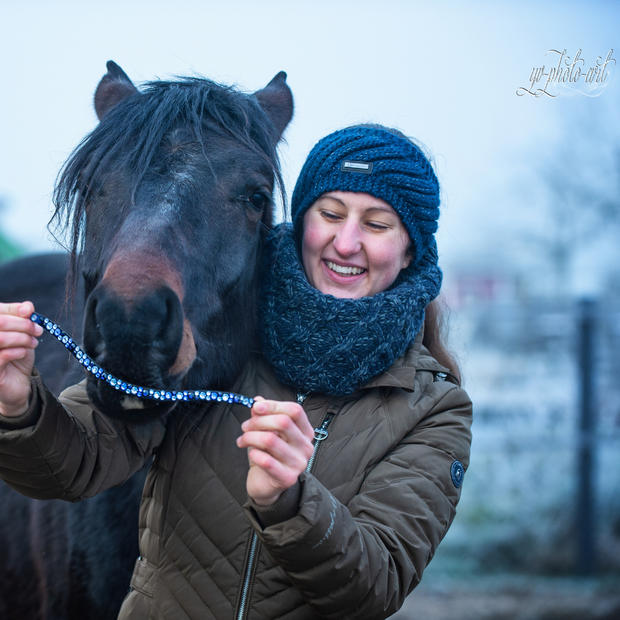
376	503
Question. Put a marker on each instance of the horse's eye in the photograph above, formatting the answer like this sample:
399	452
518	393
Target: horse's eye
258	201
90	280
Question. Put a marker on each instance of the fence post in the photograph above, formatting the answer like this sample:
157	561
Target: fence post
585	522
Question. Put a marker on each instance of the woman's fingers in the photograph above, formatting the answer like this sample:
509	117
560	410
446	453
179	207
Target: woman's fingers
13	354
18	333
18	339
277	423
282	429
12	339
16	318
290	454
280	477
264	408
22	308
278	437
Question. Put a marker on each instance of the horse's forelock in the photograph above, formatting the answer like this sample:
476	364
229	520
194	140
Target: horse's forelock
129	137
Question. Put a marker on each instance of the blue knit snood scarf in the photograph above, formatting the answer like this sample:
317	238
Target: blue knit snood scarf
321	343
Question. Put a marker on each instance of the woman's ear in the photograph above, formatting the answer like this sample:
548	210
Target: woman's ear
409	254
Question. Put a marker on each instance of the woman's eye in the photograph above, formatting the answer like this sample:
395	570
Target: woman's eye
376	226
328	215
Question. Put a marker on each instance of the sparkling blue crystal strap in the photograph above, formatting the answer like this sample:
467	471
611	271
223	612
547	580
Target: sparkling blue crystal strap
129	388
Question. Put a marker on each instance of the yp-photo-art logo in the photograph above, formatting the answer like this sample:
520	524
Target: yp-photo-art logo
568	74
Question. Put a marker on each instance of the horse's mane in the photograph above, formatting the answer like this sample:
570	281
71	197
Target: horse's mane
130	134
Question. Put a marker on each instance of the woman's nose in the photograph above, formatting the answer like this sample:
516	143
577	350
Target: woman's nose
348	239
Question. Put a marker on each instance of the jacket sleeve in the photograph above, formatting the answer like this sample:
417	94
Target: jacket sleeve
361	560
71	451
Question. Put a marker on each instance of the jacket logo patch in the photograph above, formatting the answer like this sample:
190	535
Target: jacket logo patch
457	471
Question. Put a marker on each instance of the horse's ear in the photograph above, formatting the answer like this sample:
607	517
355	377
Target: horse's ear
114	87
277	100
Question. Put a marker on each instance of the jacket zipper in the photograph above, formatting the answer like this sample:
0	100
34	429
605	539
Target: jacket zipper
320	434
249	567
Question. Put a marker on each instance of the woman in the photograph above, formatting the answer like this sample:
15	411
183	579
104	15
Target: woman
341	528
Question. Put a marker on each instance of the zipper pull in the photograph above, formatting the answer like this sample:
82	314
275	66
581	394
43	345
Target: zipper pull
320	433
301	397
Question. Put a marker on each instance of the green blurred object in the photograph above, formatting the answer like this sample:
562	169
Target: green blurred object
8	250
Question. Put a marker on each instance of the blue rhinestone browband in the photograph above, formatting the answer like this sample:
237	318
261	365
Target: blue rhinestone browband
129	388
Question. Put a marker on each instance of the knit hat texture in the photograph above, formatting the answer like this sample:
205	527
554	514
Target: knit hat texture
375	161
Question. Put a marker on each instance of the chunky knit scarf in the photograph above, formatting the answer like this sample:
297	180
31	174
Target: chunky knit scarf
321	343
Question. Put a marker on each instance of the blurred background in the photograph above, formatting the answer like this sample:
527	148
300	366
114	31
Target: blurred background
529	237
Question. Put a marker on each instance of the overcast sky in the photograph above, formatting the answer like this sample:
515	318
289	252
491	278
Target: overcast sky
445	73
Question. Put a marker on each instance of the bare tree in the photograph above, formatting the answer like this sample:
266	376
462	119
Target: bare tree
579	185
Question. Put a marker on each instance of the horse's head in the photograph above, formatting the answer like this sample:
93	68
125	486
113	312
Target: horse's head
168	201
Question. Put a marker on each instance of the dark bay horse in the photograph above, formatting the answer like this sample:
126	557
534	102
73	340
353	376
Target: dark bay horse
166	203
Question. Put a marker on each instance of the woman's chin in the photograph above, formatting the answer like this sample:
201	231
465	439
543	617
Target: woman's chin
344	287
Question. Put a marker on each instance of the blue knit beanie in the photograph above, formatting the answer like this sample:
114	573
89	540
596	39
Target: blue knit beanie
372	159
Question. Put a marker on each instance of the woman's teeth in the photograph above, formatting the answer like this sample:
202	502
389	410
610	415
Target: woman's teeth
344	271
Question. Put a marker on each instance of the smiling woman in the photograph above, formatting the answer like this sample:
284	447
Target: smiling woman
347	289
354	245
365	211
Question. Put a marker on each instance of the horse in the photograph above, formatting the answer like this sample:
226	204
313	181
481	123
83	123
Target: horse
166	205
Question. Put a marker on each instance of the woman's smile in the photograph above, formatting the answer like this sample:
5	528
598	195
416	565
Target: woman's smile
354	245
342	270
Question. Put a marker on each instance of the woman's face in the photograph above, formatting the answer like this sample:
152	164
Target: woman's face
354	245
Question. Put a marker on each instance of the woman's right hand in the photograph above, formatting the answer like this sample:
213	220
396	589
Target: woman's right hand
18	339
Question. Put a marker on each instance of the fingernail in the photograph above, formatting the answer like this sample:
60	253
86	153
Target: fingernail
244	426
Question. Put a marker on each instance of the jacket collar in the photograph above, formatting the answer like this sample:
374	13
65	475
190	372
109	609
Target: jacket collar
402	372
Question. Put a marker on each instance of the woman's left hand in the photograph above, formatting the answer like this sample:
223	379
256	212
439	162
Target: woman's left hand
278	437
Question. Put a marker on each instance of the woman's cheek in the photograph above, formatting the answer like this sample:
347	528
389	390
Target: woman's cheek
386	262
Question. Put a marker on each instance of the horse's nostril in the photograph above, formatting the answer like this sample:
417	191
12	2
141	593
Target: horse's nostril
140	333
172	325
170	310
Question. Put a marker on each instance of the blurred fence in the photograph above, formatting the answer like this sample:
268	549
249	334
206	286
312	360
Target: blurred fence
526	502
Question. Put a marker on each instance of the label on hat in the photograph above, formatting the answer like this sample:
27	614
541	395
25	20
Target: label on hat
357	166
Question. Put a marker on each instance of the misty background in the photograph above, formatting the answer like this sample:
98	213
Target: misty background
529	226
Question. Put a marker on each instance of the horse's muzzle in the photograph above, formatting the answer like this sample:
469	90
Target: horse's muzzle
138	339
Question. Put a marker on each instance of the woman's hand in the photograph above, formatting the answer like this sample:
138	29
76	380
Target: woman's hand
18	339
279	438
